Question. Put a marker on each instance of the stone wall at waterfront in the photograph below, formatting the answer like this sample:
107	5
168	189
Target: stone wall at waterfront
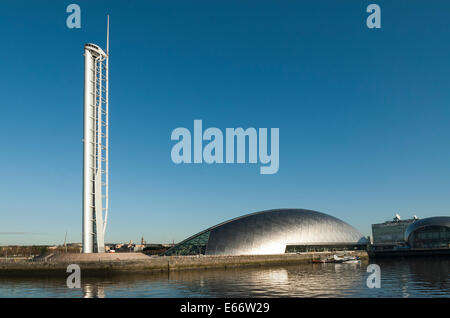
98	264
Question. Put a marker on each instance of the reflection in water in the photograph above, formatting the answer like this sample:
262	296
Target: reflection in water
421	277
93	291
417	277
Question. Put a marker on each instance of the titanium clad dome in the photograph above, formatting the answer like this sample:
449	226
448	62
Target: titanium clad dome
269	232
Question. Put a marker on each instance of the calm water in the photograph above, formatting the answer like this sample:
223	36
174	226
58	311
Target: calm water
425	277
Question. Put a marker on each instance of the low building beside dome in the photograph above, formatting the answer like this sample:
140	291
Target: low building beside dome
390	234
428	236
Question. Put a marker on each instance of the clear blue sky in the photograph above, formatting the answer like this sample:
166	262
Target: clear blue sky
364	115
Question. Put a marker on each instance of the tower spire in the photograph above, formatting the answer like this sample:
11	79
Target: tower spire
107	34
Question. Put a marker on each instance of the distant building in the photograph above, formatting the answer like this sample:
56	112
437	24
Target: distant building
154	249
74	245
429	233
424	237
138	247
390	234
120	247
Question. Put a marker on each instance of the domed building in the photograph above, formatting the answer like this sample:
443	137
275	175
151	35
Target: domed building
273	232
433	232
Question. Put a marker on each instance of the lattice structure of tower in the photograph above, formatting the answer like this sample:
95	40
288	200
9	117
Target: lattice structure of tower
95	147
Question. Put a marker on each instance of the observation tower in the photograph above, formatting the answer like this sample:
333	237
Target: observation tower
95	146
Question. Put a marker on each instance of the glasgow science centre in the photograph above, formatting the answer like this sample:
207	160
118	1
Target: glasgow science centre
298	230
262	233
273	232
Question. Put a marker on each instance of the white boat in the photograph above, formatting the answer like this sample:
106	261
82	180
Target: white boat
352	261
346	259
337	259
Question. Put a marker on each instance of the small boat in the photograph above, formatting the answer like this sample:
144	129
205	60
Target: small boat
346	259
352	261
337	259
319	261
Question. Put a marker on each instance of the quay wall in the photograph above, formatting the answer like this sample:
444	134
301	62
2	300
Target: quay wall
121	263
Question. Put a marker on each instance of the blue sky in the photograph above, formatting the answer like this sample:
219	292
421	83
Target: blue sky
363	113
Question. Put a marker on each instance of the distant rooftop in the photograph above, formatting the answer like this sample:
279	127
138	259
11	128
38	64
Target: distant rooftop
397	219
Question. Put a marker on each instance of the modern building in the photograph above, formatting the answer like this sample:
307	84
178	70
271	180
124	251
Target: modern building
390	234
429	233
424	237
273	232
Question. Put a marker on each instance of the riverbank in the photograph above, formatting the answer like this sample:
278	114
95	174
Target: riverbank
122	263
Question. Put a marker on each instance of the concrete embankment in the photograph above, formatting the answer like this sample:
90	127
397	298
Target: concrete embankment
122	263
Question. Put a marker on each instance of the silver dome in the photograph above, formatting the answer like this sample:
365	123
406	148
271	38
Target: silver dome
269	232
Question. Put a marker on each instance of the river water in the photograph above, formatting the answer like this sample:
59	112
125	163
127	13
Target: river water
418	277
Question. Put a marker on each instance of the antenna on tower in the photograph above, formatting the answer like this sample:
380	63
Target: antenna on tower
107	34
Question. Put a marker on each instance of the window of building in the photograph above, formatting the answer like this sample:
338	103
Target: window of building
431	237
323	248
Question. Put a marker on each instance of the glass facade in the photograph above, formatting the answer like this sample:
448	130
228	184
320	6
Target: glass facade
323	248
431	237
193	246
390	233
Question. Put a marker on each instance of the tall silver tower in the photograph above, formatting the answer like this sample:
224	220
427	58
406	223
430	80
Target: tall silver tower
95	147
